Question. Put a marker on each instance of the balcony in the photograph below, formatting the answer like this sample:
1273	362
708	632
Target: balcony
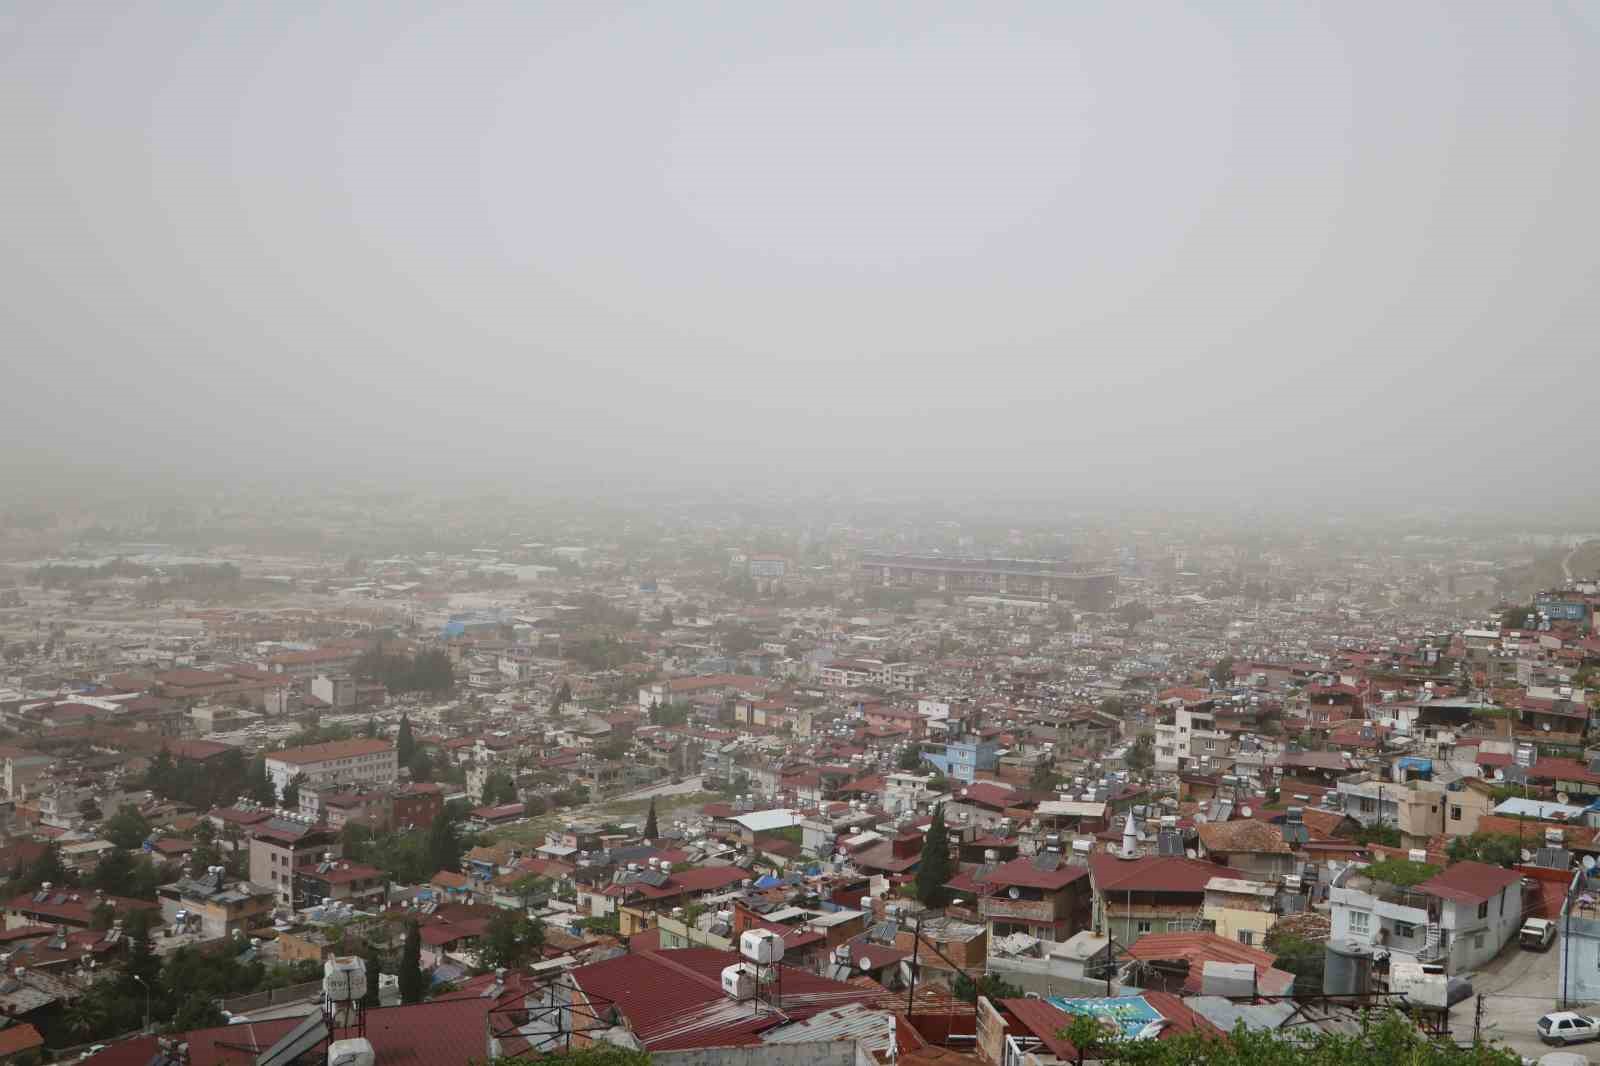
1026	910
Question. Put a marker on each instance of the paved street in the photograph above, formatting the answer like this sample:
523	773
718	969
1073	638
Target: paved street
1518	986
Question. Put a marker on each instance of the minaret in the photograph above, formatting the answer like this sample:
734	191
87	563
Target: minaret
1130	839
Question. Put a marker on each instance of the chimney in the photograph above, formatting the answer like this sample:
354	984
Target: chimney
1130	839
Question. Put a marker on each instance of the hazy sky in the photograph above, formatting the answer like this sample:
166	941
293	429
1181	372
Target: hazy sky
1261	249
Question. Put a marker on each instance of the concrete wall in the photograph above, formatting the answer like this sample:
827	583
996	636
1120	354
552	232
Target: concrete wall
1048	977
1580	961
1498	929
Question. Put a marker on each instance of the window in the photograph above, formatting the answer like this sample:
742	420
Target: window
1483	909
1455	813
1360	921
1142	926
1405	929
1247	937
1477	941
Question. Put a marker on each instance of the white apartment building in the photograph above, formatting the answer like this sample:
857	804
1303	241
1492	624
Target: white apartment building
361	762
1192	737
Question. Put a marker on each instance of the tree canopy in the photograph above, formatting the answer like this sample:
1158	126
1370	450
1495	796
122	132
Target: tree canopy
935	867
1392	1038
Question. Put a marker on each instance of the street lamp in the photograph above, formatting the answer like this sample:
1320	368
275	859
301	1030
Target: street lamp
146	987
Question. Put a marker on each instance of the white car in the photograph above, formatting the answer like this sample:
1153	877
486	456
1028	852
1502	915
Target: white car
1567	1027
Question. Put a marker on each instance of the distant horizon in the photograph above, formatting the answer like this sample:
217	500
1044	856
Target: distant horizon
1284	258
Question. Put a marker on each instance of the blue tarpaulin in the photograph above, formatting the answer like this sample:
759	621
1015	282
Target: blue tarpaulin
1416	762
1130	1013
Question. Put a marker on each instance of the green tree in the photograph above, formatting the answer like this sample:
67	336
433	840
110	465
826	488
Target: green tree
139	961
374	968
1496	849
1303	958
411	986
291	792
562	697
259	783
910	759
127	828
47	867
935	868
405	744
1222	673
161	774
421	767
1142	755
511	939
1400	872
1390	1038
498	788
987	985
444	845
370	730
651	831
1044	777
1378	833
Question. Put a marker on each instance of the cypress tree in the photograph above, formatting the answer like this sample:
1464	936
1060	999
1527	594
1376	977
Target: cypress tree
934	869
411	965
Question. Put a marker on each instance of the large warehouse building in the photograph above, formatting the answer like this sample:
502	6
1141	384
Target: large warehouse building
1040	579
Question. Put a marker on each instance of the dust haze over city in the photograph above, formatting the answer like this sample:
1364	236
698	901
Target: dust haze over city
506	496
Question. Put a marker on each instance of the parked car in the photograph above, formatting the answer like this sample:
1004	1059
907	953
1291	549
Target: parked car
1537	934
1567	1027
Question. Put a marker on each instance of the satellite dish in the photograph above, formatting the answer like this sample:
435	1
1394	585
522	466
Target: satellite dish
1527	856
1588	862
1244	812
1563	798
1014	892
865	964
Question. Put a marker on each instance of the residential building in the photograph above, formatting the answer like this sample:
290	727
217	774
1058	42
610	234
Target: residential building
1149	894
1415	808
417	803
964	758
359	762
338	691
1191	740
1253	848
1042	896
1240	909
281	849
1461	916
338	881
217	906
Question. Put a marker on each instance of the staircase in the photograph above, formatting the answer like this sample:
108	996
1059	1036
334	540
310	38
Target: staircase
1433	946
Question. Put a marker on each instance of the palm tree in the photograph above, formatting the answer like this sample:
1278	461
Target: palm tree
86	1016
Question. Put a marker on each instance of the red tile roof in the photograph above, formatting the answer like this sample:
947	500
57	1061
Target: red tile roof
333	749
1023	872
673	999
15	1039
1151	873
450	1032
1199	948
1469	882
